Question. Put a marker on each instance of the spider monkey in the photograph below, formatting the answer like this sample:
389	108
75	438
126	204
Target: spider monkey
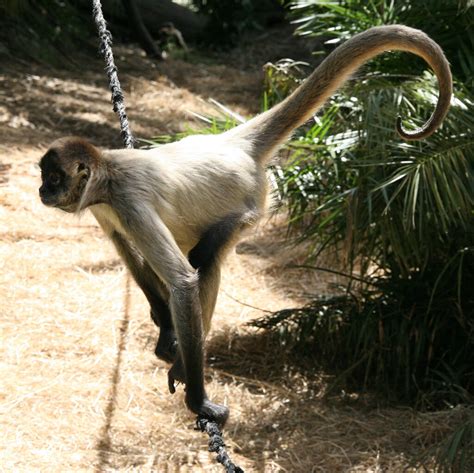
174	212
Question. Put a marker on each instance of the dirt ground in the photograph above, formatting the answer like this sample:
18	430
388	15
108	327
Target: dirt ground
81	389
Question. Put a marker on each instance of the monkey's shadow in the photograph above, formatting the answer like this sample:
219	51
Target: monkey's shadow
295	415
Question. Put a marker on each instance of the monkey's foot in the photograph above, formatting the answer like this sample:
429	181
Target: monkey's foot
214	412
176	373
167	346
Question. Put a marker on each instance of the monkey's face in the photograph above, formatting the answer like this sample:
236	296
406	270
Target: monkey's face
63	181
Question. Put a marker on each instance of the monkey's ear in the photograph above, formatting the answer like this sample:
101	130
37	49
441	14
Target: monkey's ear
82	168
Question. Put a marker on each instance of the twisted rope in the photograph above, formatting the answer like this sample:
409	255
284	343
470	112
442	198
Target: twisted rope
105	38
216	441
217	445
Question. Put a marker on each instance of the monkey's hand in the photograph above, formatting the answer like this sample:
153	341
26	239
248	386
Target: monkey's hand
176	373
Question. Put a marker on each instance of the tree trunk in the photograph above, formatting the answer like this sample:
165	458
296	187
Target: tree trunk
141	32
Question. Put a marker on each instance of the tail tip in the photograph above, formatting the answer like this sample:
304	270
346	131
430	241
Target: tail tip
419	134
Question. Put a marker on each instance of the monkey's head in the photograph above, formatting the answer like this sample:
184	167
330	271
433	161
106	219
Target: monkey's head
65	170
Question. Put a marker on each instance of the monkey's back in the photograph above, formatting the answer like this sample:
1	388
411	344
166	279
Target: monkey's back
195	182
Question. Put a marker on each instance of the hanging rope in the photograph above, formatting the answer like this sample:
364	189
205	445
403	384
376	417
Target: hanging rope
216	441
114	84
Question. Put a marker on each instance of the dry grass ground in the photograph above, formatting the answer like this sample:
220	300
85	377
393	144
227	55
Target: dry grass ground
81	389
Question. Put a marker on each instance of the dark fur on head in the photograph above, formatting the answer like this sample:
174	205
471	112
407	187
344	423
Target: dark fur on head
66	169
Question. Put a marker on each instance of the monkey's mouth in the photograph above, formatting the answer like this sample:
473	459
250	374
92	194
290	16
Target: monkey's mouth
67	208
48	201
53	202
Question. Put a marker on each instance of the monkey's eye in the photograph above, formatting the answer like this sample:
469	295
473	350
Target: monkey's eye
54	178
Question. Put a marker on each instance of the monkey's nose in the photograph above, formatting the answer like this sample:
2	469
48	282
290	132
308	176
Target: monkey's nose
43	196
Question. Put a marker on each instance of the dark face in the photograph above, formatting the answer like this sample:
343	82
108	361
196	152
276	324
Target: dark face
63	182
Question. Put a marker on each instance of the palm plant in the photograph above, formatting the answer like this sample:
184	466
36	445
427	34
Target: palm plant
450	22
402	212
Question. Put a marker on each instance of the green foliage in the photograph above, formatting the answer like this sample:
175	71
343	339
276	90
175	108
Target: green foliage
415	193
281	79
224	120
450	22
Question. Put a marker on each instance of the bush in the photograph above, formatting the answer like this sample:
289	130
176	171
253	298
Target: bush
401	211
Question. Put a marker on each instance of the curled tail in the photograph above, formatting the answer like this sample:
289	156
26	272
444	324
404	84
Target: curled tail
267	131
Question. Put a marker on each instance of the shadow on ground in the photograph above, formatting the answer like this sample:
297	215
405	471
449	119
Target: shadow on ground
339	430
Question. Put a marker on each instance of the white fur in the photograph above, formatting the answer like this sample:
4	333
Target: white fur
191	184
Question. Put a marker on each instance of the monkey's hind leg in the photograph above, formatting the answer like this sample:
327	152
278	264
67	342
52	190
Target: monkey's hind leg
206	257
209	253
